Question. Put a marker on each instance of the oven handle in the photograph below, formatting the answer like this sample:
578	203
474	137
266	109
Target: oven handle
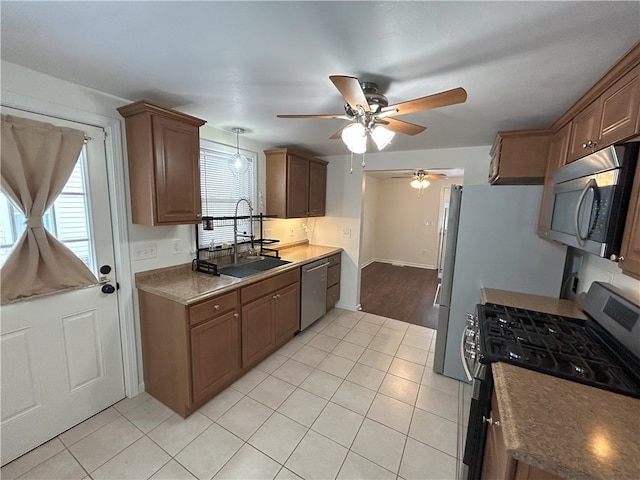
467	371
591	184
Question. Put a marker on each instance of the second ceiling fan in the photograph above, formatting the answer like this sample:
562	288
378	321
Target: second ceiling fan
370	113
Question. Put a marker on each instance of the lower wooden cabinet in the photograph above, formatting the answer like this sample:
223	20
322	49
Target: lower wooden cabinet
191	353
333	280
271	319
215	354
497	464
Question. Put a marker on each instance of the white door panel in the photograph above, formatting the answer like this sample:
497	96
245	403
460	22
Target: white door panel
61	354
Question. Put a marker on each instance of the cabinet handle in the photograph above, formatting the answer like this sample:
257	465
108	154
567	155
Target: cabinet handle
275	297
216	307
491	421
584	145
236	314
199	215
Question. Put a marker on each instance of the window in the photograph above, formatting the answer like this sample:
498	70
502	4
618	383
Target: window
221	189
67	219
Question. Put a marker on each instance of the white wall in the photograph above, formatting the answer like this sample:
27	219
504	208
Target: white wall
597	269
407	221
370	196
345	200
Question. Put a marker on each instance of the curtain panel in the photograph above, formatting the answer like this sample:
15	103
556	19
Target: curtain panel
37	160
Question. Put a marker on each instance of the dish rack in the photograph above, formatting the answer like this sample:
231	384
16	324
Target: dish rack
208	258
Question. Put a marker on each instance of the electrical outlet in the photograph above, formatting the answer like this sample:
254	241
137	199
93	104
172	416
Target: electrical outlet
176	248
346	233
145	251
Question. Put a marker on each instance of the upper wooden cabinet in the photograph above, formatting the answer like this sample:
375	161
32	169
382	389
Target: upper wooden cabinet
296	184
519	157
612	117
630	249
164	164
557	156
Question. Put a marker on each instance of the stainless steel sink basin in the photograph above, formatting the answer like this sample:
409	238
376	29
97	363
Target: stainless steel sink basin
251	265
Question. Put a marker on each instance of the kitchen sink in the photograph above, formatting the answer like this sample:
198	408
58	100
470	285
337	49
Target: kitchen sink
251	266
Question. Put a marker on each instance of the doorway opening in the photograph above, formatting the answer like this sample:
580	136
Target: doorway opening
402	244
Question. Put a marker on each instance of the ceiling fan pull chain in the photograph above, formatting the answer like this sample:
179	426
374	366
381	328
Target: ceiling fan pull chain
363	164
351	169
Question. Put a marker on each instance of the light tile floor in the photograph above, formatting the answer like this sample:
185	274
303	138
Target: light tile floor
353	397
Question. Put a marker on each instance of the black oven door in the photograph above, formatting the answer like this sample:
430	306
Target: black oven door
477	427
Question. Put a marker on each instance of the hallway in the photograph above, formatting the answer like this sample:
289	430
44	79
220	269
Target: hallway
402	293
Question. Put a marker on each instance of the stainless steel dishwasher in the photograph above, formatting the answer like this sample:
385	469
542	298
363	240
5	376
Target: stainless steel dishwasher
314	292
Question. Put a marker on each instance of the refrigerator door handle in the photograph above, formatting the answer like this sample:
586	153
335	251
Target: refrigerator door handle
465	365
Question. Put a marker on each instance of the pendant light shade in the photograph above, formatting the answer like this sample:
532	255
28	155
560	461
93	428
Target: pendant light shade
238	163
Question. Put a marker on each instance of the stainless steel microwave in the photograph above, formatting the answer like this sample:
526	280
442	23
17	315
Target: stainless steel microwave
591	198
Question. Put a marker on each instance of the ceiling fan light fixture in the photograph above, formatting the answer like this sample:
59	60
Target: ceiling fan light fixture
355	138
381	136
420	180
238	163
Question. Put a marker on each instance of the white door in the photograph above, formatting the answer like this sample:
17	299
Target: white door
61	353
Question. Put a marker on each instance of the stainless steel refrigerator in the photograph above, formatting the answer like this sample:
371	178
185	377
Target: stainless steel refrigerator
490	242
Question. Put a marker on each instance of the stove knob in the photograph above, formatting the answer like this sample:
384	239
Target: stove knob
472	320
470	333
470	353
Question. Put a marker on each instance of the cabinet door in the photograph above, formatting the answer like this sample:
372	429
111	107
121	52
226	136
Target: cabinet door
297	186
630	249
317	189
258	332
287	313
557	156
620	110
215	354
177	171
497	463
584	132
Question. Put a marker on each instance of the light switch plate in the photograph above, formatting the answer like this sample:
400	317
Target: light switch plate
346	233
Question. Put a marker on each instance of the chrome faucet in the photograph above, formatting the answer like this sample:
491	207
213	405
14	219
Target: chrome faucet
235	229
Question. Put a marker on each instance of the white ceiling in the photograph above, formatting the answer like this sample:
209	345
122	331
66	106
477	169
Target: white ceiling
241	63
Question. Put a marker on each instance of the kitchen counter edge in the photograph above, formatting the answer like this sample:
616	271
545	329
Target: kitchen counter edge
182	285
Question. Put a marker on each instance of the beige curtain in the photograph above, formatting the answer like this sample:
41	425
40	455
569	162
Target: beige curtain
37	160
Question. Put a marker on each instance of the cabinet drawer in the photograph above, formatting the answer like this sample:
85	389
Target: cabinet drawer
333	295
257	290
333	275
212	308
335	259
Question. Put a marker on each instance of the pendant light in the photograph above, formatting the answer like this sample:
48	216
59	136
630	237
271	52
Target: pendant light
237	163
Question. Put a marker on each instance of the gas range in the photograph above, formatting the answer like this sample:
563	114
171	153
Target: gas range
602	351
573	349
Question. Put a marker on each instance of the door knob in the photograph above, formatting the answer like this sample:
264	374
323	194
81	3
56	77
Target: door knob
108	289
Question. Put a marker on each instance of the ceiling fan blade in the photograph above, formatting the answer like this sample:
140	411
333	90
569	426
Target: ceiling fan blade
403	127
350	89
338	134
328	115
442	99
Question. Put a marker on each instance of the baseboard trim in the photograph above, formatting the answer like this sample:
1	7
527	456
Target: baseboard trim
399	263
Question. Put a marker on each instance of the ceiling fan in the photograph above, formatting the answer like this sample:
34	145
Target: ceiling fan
423	174
370	113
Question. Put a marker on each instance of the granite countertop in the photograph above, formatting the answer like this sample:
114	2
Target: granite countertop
538	303
566	428
181	284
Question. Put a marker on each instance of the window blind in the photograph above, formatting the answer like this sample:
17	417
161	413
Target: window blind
221	189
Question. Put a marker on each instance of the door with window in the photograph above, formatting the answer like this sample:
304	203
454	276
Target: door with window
61	353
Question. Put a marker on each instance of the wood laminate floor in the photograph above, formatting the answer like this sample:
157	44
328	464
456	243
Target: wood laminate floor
401	293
